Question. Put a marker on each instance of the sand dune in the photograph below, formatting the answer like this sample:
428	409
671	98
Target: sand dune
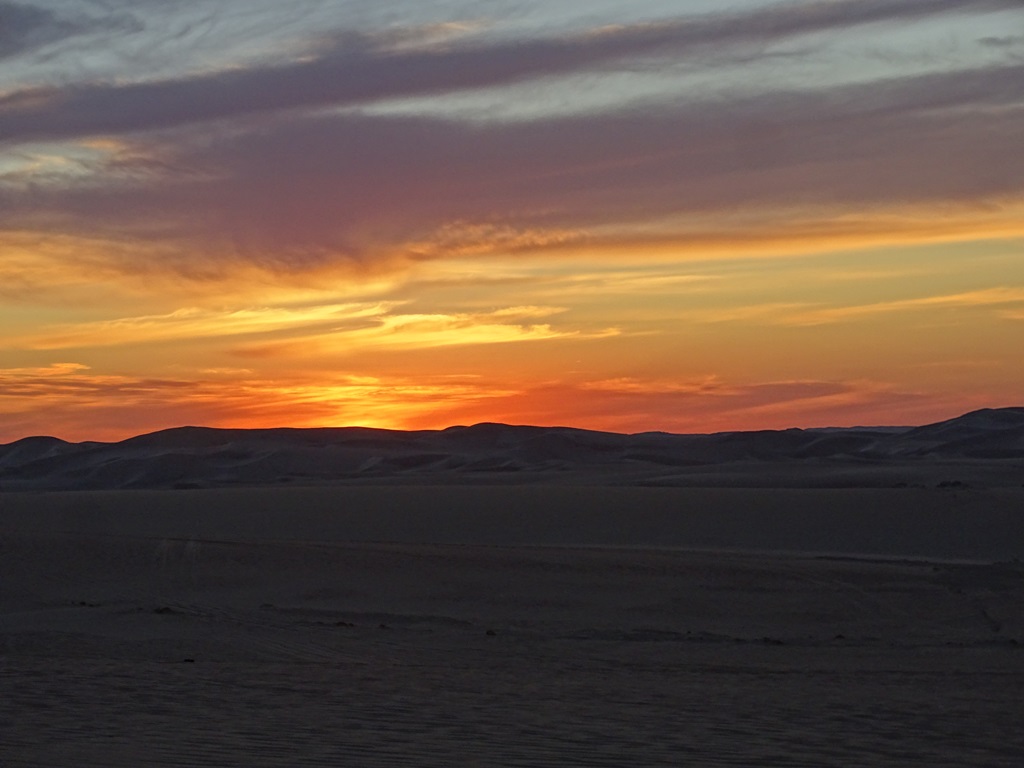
982	448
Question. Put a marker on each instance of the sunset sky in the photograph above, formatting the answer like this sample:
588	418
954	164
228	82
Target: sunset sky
678	215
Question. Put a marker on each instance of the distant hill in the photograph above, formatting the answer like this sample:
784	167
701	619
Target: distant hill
984	447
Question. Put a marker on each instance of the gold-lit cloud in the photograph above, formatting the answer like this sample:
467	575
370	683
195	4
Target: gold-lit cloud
54	370
192	323
998	297
708	385
398	332
790	232
462	238
439	330
527	312
299	330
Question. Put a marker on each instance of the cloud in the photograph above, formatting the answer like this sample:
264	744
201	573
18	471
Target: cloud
23	27
375	192
196	323
8	375
523	312
337	329
1004	41
1002	300
358	70
94	406
707	385
33	400
1003	297
30	30
397	332
695	405
298	193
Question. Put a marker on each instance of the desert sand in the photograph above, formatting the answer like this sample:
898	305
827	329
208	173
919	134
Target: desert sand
515	596
512	625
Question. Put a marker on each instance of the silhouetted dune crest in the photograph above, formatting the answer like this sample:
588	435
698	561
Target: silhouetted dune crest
984	420
32	448
988	441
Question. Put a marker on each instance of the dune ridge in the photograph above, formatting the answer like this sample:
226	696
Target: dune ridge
983	447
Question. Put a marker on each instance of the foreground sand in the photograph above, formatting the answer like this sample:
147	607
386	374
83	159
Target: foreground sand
511	626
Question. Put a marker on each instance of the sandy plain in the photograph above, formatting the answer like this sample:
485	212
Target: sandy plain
499	625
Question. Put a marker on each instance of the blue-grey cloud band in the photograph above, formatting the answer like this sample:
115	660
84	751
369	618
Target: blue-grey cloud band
355	71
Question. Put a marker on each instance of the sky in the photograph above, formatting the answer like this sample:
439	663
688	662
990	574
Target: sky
686	216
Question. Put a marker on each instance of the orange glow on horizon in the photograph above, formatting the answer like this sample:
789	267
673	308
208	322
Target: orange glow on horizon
98	407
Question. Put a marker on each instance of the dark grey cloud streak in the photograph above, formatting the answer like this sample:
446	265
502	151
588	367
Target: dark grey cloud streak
23	27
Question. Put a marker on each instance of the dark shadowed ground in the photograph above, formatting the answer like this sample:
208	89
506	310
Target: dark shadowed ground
512	626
